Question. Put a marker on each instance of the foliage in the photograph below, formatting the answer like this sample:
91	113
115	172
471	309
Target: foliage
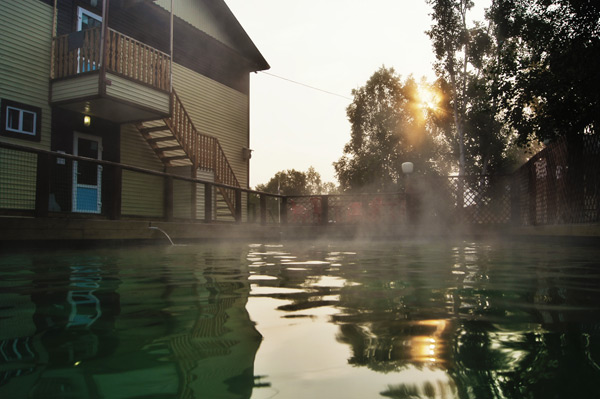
450	41
293	182
388	128
467	70
529	75
548	61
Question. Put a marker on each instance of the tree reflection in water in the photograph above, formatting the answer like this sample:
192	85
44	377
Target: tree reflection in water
515	320
472	321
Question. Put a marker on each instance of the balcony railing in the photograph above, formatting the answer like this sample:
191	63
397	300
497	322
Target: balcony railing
76	52
80	52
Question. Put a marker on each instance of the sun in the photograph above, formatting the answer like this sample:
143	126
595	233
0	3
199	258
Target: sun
429	99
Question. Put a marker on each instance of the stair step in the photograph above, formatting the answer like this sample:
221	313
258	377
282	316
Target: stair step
175	158
154	129
171	148
160	139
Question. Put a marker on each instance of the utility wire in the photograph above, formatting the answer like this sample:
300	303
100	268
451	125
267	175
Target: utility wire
305	85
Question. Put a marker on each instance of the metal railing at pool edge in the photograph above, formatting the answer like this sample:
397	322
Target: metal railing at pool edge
45	160
389	208
43	164
517	202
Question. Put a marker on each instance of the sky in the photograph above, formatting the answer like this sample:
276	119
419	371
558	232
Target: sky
330	45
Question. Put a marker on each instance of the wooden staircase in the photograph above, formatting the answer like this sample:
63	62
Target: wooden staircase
177	142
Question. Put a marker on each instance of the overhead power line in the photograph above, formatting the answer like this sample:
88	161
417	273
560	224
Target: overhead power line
305	85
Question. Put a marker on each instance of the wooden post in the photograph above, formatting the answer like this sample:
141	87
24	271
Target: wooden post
515	203
53	56
168	211
576	175
115	205
171	49
364	208
550	188
408	200
208	203
103	50
283	210
532	188
263	209
324	209
238	205
42	188
460	197
194	198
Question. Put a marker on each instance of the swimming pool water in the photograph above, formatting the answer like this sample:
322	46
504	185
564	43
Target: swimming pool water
302	320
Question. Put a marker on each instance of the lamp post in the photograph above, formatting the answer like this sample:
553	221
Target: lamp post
407	169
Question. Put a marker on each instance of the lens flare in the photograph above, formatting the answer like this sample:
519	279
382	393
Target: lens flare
429	98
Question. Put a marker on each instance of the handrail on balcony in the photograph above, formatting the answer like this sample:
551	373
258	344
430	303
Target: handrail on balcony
79	52
76	52
138	61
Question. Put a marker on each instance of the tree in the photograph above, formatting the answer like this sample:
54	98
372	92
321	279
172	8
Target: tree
549	60
388	128
293	182
450	42
468	66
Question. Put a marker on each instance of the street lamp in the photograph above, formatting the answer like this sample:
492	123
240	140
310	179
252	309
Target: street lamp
407	169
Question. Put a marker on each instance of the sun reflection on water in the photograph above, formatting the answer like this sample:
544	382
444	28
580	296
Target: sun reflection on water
428	348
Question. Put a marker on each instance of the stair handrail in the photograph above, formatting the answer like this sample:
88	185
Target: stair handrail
183	128
205	151
191	139
223	172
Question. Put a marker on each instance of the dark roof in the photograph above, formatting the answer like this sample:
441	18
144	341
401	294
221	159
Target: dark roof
233	27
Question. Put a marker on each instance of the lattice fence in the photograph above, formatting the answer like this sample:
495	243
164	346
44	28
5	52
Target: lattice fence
467	199
561	184
363	208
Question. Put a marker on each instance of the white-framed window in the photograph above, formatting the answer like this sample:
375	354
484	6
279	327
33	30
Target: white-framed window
19	120
87	19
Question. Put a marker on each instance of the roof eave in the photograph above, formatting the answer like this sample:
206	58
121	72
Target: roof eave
249	49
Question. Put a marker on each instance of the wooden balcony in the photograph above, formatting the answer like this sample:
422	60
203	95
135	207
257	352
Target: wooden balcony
122	81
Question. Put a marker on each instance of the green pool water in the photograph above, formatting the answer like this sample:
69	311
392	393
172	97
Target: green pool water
302	320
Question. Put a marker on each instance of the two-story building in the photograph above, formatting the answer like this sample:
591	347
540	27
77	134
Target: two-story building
159	85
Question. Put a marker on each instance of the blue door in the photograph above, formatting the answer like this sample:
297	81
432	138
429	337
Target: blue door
87	176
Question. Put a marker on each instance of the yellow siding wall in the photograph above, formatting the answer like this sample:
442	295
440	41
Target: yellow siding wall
133	92
200	200
25	44
216	110
142	195
182	192
17	179
182	199
78	87
199	16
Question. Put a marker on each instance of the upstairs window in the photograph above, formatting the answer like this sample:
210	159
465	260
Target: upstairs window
20	120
